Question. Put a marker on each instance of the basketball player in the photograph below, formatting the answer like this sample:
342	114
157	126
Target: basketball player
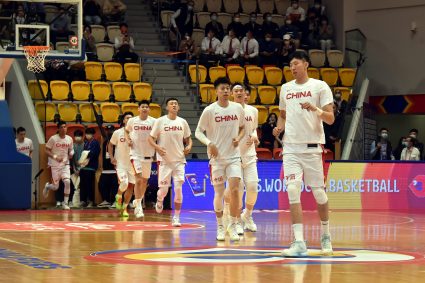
141	152
170	137
223	122
121	160
60	150
305	103
23	144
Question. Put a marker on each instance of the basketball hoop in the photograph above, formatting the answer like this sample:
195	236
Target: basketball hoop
35	57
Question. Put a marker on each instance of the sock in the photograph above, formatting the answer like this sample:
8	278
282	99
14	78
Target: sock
234	219
298	232
177	213
248	212
125	206
226	208
219	221
138	202
325	227
66	199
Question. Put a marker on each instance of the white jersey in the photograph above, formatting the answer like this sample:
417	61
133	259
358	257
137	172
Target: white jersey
170	134
222	126
122	150
63	148
139	132
302	126
24	147
251	125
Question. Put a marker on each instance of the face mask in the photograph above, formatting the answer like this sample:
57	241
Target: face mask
288	22
405	144
337	96
214	18
190	8
268	39
269	19
89	136
237	20
78	139
413	136
253	19
384	135
317	6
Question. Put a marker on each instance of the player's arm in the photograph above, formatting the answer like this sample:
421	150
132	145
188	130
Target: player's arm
188	145
110	149
327	114
199	134
71	150
240	135
159	149
49	152
253	135
127	133
280	126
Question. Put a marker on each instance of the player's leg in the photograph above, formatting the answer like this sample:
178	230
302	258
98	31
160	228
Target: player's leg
250	177
293	175
142	171
66	179
217	180
233	172
178	180
54	185
164	182
127	197
122	187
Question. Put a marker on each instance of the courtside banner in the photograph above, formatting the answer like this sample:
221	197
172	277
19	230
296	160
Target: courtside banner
350	185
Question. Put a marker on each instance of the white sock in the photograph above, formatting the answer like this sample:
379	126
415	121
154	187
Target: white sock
66	199
177	213
325	227
226	208
219	221
234	220
138	202
298	232
248	212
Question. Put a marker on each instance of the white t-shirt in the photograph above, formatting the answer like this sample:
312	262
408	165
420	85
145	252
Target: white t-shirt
24	147
60	147
170	134
122	150
412	154
222	126
139	132
302	126
251	125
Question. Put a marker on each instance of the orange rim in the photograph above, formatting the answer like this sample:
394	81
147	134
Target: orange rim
34	50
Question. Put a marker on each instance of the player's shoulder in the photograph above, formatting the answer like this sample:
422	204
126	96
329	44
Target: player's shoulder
181	119
68	137
210	107
235	105
318	83
152	119
250	108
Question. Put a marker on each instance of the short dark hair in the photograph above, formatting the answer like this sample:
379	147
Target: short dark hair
144	101
171	99
60	123
78	133
265	15
300	55
253	14
412	140
123	25
248	88
383	129
20	129
236	84
221	81
414	131
213	13
90	131
127	113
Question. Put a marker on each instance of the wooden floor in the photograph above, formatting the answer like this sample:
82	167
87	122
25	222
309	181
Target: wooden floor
97	246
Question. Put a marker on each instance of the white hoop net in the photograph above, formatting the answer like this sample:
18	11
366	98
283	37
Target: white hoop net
35	57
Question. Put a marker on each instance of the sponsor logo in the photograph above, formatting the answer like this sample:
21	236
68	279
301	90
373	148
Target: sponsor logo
417	186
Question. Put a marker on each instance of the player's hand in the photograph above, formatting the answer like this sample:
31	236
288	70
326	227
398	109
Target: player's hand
187	150
212	148
162	151
129	142
77	172
58	158
113	161
235	142
253	140
277	131
307	106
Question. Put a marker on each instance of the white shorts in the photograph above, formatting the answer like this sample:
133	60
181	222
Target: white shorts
60	173
168	170
221	170
142	166
249	169
126	175
307	166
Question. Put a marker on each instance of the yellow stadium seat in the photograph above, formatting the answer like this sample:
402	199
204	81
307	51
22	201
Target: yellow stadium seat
61	46
197	36
335	58
165	19
80	90
45	111
155	110
93	71
329	75
34	89
262	114
132	72
142	91
266	6
225	18
130	107
267	94
105	52
313	73
274	75
110	112
87	114
59	90
203	18
244	18
236	74
214	5
345	92
347	76
281	6
202	74
287	74
253	96
101	91
317	57
68	112
279	19
113	31
231	6
249	6
199	5
208	94
278	91
254	74
98	33
122	91
274	109
216	72
113	71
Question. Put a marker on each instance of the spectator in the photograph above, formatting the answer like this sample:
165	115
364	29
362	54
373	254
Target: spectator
114	10
285	51
311	29
35	12
23	144
332	131
381	148
402	143
269	26
292	30
341	103
108	182
88	173
268	140
210	48
124	45
253	26
410	152
182	20
187	45
19	17
56	69
296	13
268	50
216	26
237	26
230	48
249	49
92	13
318	9
414	134
325	34
90	44
60	27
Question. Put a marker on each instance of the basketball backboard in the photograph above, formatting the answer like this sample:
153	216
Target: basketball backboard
54	23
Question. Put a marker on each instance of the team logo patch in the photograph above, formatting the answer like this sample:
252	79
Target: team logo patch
97	226
417	186
246	255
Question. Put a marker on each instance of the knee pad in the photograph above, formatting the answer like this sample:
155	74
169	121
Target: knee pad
218	198
294	192
178	195
123	186
67	186
320	195
251	193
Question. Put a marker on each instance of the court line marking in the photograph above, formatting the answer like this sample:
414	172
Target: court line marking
23	244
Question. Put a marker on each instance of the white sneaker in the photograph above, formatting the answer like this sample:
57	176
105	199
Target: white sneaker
65	206
104	204
297	249
90	204
159	206
58	204
231	229
249	222
46	190
220	233
239	228
326	245
175	222
138	212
